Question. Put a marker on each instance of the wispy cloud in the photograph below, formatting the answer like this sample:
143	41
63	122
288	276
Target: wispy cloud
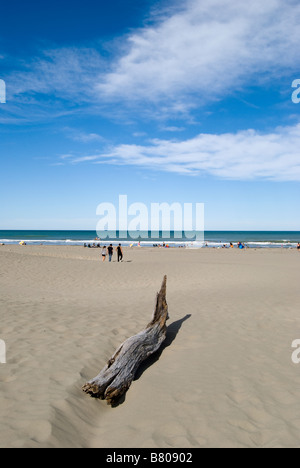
66	73
183	58
205	50
54	84
245	155
173	129
80	159
82	137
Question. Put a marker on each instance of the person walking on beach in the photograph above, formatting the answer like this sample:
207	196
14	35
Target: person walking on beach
110	252
104	253
120	253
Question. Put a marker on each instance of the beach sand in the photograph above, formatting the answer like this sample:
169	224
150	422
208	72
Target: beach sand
224	378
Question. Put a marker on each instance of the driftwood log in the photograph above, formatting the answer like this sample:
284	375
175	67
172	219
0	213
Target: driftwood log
116	377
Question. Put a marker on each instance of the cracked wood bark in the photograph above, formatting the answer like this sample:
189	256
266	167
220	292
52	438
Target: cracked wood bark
116	377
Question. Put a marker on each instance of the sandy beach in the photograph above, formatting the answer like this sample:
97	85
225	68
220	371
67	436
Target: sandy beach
224	377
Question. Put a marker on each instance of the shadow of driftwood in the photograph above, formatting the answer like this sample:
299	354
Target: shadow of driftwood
172	332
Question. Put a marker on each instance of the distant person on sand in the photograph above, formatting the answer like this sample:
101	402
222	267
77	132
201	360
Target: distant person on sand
104	253
120	253
298	246
110	252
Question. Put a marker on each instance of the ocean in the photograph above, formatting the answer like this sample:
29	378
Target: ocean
253	239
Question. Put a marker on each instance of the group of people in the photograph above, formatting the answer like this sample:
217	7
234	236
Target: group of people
110	251
107	251
94	246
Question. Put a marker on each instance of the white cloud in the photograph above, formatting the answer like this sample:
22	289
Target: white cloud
173	129
84	137
139	134
205	50
181	59
80	159
67	73
245	155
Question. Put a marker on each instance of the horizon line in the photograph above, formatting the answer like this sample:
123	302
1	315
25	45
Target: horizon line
160	230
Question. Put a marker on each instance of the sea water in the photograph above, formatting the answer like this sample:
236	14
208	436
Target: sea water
253	239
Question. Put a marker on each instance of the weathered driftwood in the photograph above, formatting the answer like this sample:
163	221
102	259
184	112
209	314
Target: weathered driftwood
116	377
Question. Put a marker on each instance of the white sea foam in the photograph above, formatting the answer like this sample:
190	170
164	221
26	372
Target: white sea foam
149	243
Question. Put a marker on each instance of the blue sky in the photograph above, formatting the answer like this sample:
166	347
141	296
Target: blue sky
164	101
